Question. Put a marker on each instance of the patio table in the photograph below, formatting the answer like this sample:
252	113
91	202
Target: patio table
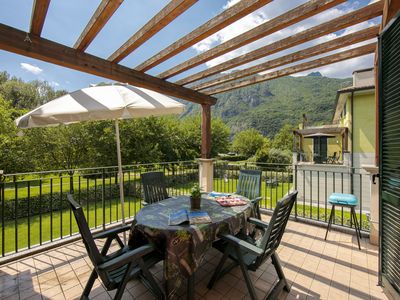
184	246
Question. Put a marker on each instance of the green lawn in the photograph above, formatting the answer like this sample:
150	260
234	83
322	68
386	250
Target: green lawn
272	194
94	217
94	214
58	183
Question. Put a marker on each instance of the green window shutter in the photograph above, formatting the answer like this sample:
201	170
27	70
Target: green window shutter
389	93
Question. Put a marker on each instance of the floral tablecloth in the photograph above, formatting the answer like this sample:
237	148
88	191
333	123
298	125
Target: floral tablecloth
184	246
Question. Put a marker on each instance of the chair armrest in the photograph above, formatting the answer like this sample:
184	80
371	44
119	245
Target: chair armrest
126	258
246	246
111	232
258	223
256	200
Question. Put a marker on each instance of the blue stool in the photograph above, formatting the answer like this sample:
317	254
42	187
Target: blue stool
344	200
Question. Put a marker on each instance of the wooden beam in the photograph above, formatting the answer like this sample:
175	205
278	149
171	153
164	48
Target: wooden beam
39	12
288	18
169	13
356	52
13	40
227	17
100	17
352	18
205	131
392	7
343	41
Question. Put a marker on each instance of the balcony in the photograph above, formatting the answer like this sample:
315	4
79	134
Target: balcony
43	256
316	269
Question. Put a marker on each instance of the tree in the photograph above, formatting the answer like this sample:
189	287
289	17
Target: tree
247	142
283	140
13	157
263	152
20	94
4	76
220	133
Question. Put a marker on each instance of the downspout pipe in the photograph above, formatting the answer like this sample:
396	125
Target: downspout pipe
352	143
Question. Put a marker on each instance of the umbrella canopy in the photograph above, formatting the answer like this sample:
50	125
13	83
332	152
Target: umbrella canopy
319	134
109	102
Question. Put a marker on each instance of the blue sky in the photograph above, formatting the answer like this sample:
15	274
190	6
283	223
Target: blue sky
66	20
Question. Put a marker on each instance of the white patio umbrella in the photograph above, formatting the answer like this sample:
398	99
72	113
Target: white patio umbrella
110	102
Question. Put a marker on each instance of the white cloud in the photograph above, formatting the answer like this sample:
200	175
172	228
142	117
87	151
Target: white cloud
275	9
345	68
230	3
31	68
54	83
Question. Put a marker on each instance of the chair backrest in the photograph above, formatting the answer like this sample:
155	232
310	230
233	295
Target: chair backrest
154	187
249	183
276	227
91	248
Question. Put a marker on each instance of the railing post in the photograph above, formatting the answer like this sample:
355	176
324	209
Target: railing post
103	201
295	187
2	179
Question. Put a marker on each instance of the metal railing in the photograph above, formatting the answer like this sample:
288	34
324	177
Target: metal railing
314	184
34	209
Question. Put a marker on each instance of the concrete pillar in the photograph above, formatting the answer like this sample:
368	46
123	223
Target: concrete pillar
347	159
374	206
295	155
206	174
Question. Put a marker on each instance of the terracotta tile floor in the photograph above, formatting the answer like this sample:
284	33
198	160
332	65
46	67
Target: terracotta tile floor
315	269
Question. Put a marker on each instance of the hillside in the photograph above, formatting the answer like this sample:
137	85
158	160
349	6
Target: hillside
269	105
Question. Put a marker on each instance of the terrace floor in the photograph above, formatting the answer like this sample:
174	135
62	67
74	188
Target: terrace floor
316	269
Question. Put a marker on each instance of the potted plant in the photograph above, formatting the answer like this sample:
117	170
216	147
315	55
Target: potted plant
195	197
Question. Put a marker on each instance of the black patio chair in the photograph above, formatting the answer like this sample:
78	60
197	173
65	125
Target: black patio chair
249	186
154	187
250	254
117	268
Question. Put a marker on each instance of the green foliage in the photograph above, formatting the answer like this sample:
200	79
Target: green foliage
62	147
231	157
268	106
92	144
247	142
26	95
284	138
273	156
12	145
195	192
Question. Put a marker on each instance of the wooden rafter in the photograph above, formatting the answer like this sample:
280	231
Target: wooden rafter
392	7
291	17
170	12
341	56
347	40
352	18
100	17
13	40
227	17
39	12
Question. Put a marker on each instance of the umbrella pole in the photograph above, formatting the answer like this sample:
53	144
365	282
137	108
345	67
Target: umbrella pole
121	176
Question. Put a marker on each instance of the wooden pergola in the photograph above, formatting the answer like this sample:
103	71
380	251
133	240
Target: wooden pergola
190	88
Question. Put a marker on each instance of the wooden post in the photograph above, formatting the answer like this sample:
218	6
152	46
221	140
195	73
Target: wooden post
205	131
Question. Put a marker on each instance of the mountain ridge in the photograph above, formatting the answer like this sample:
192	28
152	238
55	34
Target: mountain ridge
267	106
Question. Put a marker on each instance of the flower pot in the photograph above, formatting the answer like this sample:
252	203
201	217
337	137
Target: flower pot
195	203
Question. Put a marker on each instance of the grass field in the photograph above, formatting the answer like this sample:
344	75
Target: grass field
51	223
58	184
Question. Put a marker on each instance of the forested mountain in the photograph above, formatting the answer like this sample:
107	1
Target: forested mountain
269	105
